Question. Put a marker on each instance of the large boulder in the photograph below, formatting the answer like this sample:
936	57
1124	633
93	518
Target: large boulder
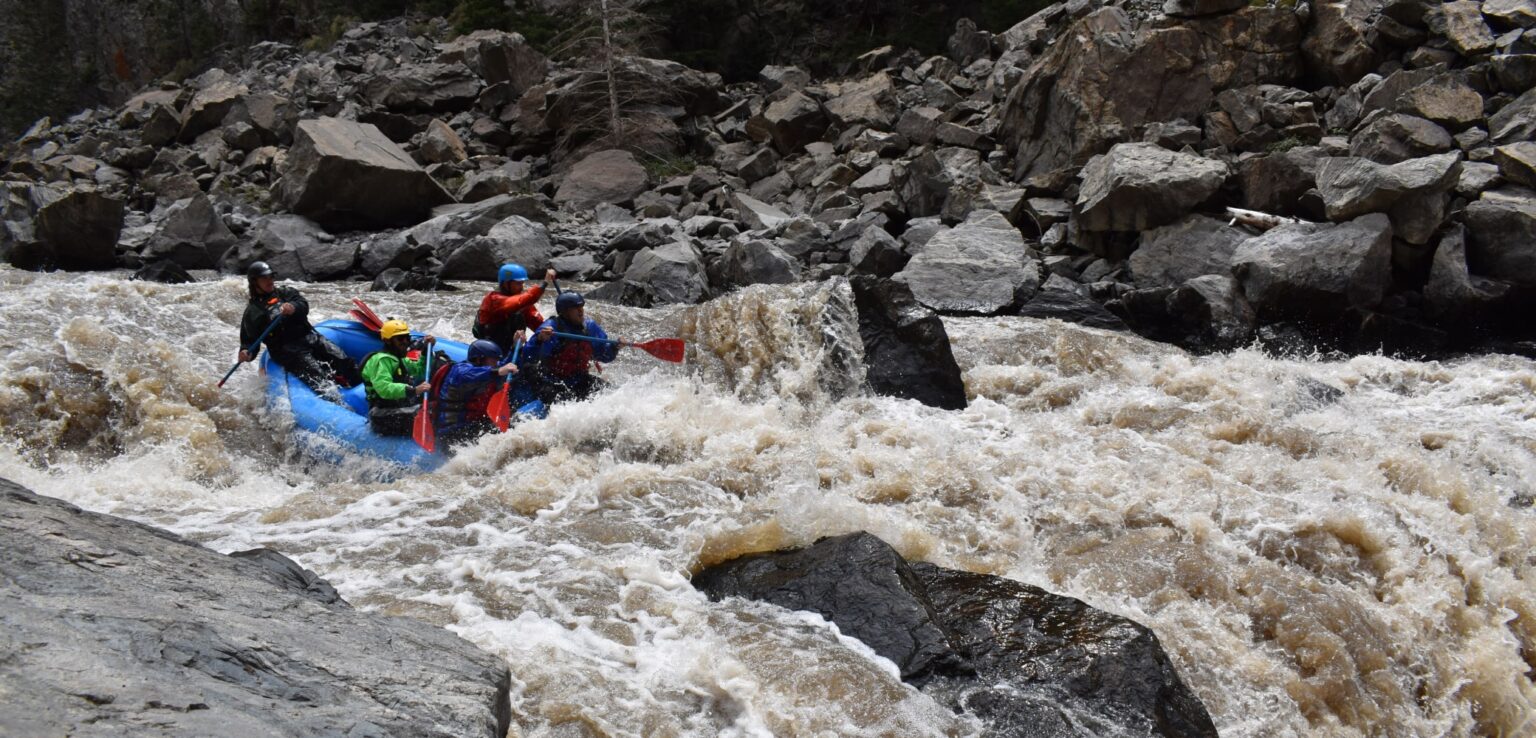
869	102
1398	137
1062	299
1018	657
1340	46
497	56
611	176
790	122
515	239
191	234
1441	96
1501	235
207	108
756	261
1208	312
149	633
1452	291
672	273
938	180
980	266
1066	111
422	88
1176	253
52	227
1461	23
876	252
295	247
345	174
1139	186
1277	183
1316	271
755	214
906	349
1415	193
1515	121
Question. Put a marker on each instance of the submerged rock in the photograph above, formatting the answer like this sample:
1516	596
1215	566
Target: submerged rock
1027	662
152	634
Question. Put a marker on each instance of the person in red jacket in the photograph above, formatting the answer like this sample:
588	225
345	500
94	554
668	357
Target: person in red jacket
509	309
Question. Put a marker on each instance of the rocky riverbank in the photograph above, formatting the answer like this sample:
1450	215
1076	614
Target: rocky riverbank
1080	165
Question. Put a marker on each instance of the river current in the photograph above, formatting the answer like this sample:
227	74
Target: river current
1325	547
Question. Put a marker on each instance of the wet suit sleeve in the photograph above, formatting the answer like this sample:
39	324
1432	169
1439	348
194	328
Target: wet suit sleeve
300	305
497	307
379	373
604	352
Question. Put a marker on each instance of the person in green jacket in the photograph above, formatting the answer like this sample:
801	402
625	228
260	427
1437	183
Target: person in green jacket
394	382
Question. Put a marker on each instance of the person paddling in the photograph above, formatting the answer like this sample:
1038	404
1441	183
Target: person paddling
465	391
293	343
510	309
395	381
562	367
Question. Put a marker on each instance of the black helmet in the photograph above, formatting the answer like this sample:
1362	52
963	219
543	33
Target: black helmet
482	349
568	300
258	269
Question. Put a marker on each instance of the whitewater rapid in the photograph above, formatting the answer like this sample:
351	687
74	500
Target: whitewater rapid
1325	547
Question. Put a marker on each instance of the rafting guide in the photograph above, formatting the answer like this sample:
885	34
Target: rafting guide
280	317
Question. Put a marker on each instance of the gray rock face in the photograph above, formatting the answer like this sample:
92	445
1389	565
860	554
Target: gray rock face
876	252
441	144
1139	186
1216	304
152	634
672	273
1452	290
208	107
192	235
906	349
1461	23
1316	271
1414	193
790	122
1390	139
870	102
422	88
70	228
296	247
1196	8
755	214
515	239
1515	121
757	261
1174	254
345	174
1511	13
1501	235
1443	97
938	181
1517	162
1339	45
980	266
497	56
1276	183
1066	111
611	176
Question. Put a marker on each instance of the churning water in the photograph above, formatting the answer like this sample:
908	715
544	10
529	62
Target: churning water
1329	548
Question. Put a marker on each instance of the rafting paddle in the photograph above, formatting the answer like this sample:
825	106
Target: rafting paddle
365	315
500	407
252	349
666	349
423	432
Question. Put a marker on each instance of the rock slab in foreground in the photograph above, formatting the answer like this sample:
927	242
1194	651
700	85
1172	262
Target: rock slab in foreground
1029	663
110	627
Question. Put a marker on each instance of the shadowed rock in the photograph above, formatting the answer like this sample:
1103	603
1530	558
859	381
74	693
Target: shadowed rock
152	634
906	348
1026	662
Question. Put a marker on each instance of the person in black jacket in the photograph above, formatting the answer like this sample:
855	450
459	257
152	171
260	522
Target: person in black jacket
294	344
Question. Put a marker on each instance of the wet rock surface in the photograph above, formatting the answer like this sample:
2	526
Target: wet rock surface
1028	662
115	627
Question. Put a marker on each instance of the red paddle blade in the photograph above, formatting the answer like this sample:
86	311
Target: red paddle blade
423	432
500	409
666	349
358	316
369	318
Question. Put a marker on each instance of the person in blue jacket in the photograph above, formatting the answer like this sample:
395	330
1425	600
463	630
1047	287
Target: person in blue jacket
465	391
561	368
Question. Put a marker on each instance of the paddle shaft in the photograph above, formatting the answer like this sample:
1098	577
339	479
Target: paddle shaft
252	349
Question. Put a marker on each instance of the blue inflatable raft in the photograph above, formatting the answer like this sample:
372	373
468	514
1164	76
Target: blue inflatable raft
329	431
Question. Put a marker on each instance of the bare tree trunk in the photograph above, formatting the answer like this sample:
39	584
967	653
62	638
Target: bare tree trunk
608	67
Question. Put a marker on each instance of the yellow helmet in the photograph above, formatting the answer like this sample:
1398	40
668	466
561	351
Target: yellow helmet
392	328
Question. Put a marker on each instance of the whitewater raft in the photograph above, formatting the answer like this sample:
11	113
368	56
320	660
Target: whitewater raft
330	431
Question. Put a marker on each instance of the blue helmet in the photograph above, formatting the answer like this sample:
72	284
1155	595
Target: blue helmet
512	273
568	300
482	349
